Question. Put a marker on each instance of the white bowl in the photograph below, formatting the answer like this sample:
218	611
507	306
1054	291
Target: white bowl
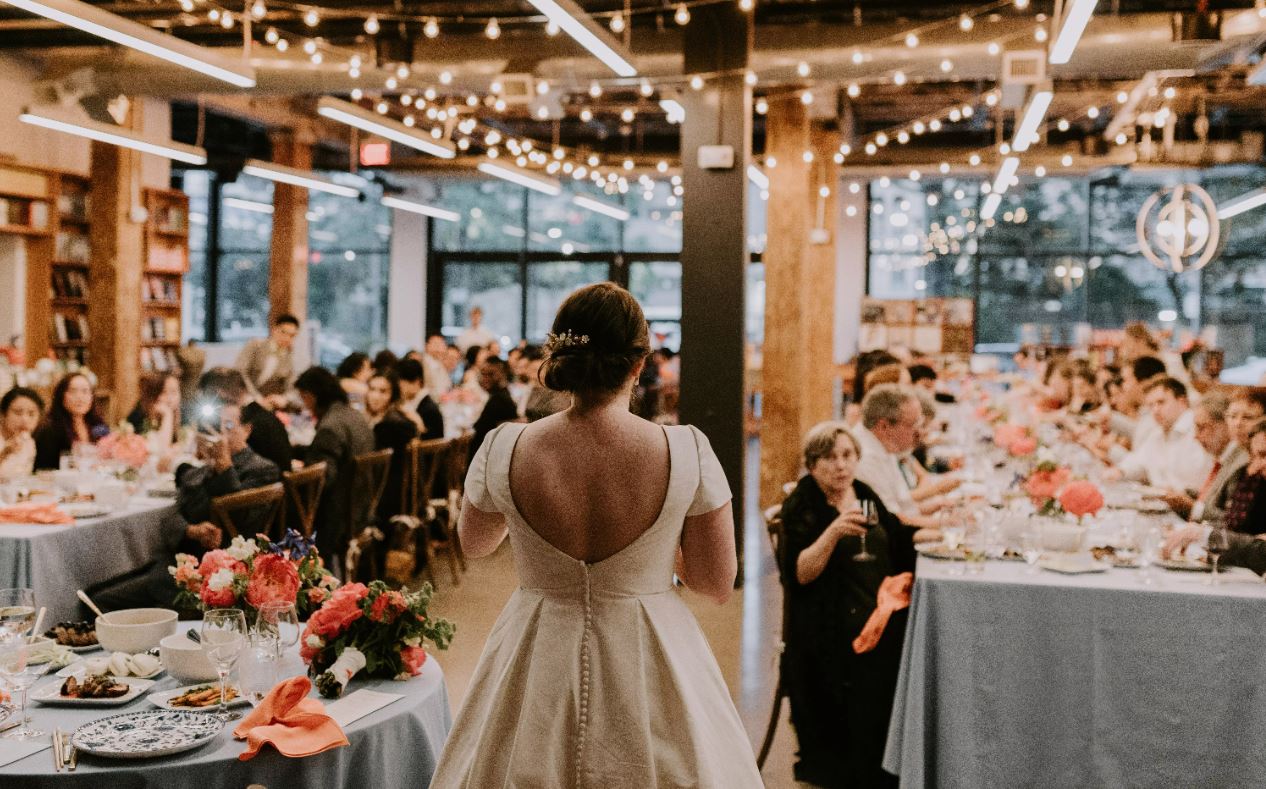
133	630
185	659
1062	538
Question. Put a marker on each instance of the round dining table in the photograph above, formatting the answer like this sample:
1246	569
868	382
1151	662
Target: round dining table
397	745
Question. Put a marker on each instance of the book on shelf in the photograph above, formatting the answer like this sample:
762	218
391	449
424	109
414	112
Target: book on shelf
69	284
39	214
73	247
157	288
73	206
167	258
171	219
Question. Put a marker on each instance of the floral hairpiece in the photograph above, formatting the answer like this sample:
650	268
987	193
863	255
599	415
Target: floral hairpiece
555	342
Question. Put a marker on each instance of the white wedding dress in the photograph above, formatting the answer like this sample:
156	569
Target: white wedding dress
596	674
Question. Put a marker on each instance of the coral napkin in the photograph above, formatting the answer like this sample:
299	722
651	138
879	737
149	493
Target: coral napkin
293	723
34	512
894	595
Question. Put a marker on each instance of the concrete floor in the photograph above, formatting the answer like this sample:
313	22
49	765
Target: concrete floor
744	633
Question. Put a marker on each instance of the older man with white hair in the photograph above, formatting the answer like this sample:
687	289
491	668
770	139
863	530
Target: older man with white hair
891	419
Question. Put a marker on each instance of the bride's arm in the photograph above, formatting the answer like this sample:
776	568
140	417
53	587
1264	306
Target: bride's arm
709	561
480	532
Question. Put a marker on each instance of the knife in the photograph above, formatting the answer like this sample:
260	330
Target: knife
74	755
57	750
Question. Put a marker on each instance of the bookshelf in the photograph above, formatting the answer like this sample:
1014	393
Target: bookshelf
27	226
69	270
166	260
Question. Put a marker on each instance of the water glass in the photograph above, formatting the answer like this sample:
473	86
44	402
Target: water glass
974	548
17	613
257	670
278	624
224	636
1031	549
20	675
1149	553
1219	543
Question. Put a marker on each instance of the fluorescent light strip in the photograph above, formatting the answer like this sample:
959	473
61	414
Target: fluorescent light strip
757	177
676	112
294	177
94	21
579	25
521	177
248	205
1033	115
1245	202
115	135
613	211
421	208
1075	22
358	117
992	202
1002	181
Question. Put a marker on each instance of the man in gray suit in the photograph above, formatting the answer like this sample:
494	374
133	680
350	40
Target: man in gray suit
1230	460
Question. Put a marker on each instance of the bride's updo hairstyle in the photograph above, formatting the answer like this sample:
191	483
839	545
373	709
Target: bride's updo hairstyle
599	336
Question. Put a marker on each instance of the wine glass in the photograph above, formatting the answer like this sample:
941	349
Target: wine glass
17	613
1149	552
1031	549
871	515
1219	543
224	634
20	675
278	623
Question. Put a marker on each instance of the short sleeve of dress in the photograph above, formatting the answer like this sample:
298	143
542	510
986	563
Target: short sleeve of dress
477	476
714	490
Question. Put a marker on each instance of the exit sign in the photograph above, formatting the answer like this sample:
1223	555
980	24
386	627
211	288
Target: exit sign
375	154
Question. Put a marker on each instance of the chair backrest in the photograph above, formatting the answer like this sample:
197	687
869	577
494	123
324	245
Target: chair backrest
774	527
425	459
458	460
262	505
305	487
371	477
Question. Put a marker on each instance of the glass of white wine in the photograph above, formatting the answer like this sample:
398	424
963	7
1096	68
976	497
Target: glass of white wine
17	613
224	636
20	675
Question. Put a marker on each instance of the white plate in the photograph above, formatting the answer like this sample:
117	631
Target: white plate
1072	565
144	735
1184	565
78	668
84	509
51	694
936	550
164	698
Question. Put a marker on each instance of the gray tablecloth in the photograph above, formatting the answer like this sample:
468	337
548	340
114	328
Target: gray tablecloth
57	560
1017	680
396	746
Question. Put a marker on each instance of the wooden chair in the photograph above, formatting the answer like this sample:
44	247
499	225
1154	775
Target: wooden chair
774	526
268	500
458	463
426	459
370	478
304	488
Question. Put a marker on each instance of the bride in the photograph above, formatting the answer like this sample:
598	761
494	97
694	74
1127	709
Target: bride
596	674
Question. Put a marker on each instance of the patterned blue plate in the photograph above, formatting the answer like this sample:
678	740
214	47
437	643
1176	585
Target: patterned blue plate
144	735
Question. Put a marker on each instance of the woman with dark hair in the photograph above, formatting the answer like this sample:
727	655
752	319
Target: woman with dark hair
341	434
392	430
353	375
158	409
600	506
72	419
20	413
840	699
385	360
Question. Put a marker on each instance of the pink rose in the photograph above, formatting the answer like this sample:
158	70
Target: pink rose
1006	435
1023	447
317	595
413	658
1044	485
387	607
274	579
1081	498
218	560
339	611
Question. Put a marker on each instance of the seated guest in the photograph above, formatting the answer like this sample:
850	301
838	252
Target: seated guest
885	374
158	410
1214	434
353	374
72	419
439	379
416	402
385	360
392	430
891	420
341	434
924	484
924	376
1168	457
1245	516
541	400
1085	396
500	407
229	466
840	700
20	412
867	361
475	356
267	434
1246	409
1128	421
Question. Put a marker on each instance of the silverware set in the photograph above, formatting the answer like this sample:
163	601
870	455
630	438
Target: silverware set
64	753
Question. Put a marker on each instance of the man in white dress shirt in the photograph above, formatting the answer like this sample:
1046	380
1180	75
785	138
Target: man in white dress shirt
1169	457
891	420
475	334
438	379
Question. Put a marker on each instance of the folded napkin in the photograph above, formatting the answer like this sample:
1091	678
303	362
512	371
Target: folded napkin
894	595
34	512
294	724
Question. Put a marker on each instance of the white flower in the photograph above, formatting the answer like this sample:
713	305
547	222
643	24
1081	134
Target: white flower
413	641
314	641
220	579
1045	455
242	548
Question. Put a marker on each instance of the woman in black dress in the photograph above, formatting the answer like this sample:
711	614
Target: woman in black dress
392	430
840	700
72	418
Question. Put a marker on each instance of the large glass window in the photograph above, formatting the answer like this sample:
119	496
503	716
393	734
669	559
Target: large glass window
197	185
244	247
494	286
549	283
656	284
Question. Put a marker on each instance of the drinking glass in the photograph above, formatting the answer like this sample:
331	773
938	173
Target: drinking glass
224	635
871	514
278	624
19	675
257	671
952	527
1219	543
1149	553
974	549
1031	549
17	613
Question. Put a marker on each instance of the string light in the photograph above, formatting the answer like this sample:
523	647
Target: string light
406	99
806	97
899	78
974	160
595	90
392	83
282	45
994	48
214	15
846	149
371	25
682	16
944	168
762	107
381	108
968	110
903	137
881	139
1040	35
912	40
402	71
807	157
309	46
966	23
871	149
186	6
854	90
646	89
316	58
409	121
617	23
627	115
1063	124
918	127
747	5
258	10
802	69
551	28
357	94
432	28
750	77
1021	4
696	82
493	30
858	57
1122	97
947	65
311	18
1092	113
934	125
586	115
1066	160
446	77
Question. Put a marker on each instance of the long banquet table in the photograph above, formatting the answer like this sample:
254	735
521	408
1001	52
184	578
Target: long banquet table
395	747
57	560
1012	679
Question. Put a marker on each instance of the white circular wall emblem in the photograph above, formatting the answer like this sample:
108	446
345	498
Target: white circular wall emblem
1178	228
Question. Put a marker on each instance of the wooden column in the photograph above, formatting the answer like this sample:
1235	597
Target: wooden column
799	260
114	279
288	270
714	253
